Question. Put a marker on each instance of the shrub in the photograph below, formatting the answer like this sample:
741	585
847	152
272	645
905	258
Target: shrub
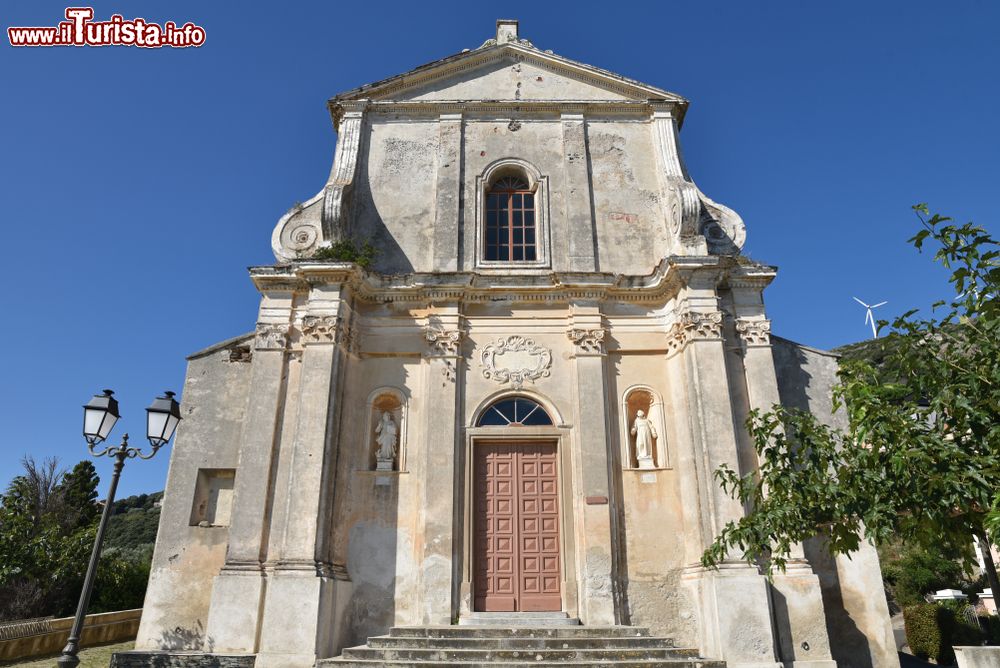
991	625
923	630
933	629
348	250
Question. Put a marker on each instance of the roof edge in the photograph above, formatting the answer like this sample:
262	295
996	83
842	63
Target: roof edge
447	65
221	345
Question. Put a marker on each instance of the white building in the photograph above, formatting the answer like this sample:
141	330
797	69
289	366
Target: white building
451	432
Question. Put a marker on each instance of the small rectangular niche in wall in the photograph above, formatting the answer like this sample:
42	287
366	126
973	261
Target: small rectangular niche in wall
213	498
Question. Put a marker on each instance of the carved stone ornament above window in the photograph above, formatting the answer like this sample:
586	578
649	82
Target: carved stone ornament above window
514	360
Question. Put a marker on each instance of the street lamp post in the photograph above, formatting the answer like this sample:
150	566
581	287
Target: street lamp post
99	417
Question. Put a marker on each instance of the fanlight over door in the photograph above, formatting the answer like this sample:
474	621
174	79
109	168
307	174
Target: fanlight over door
515	412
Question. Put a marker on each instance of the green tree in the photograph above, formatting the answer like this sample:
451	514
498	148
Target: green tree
76	496
48	519
920	456
912	572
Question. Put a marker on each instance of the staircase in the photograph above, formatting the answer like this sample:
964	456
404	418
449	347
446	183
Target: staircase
547	642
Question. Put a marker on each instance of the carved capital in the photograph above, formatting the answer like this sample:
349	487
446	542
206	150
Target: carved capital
703	325
754	332
444	342
320	329
270	337
446	346
693	326
587	341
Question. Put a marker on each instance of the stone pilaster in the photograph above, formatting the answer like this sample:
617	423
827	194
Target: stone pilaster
443	379
735	626
298	609
447	195
234	615
579	231
597	530
796	594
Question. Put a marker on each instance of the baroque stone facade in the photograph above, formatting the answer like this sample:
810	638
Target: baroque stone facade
550	286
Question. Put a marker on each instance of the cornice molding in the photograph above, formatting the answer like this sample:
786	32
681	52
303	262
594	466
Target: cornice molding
662	284
514	52
556	108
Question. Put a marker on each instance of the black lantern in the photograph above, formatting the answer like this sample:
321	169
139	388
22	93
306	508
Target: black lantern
99	416
162	418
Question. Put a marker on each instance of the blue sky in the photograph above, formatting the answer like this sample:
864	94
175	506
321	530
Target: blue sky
136	186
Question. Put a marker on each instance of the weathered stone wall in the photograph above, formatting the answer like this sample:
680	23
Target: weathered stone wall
629	220
376	517
188	556
395	195
651	500
857	615
602	186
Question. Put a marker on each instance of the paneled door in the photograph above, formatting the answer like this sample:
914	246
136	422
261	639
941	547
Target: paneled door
516	528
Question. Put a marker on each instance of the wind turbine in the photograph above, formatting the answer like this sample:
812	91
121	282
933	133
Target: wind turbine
869	318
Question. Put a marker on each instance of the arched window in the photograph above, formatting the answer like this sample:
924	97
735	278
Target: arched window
515	412
511	230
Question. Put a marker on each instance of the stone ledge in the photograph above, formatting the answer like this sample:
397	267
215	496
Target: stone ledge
148	659
977	657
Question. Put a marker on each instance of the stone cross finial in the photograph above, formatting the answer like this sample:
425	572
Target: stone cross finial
506	30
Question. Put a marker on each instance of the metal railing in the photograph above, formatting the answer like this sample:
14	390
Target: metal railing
22	628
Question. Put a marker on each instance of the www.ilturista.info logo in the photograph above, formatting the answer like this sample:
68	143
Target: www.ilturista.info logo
81	30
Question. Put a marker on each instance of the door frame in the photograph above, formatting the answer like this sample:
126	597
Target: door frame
548	435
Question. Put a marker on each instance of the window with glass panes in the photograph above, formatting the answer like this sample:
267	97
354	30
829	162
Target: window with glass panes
510	222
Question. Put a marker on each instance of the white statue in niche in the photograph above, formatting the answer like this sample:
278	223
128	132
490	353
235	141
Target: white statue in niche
386	435
644	433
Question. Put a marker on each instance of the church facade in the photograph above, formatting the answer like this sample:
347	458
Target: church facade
516	407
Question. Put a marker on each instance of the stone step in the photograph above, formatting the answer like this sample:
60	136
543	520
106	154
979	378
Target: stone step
641	663
518	632
525	615
508	642
602	655
518	619
500	647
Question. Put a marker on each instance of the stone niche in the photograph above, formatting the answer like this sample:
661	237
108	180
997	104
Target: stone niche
213	498
645	399
381	441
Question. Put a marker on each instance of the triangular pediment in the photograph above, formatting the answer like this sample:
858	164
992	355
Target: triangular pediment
511	71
